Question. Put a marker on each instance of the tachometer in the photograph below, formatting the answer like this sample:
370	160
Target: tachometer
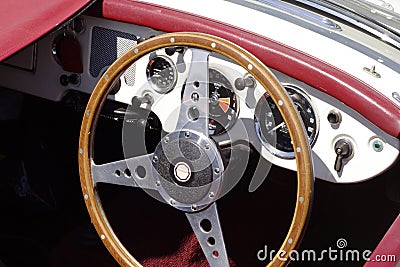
273	131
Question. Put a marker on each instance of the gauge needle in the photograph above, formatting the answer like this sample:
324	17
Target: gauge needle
276	127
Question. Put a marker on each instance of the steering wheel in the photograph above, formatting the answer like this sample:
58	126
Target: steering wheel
186	170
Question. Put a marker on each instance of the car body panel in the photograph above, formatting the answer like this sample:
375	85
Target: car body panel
23	22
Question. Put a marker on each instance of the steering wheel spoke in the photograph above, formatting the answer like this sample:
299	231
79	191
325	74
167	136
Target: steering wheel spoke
134	172
194	111
207	228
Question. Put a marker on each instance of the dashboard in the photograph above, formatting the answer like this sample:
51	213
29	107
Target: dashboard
346	147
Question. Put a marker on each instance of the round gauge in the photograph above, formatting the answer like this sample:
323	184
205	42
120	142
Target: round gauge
161	74
273	131
223	103
223	107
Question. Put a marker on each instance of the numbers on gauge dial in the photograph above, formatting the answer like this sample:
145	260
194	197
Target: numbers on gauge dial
161	74
273	131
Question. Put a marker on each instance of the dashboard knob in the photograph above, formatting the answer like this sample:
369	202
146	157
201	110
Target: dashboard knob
73	79
241	83
343	149
334	117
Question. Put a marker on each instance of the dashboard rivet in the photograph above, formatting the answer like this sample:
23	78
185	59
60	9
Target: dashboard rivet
102	237
187	134
158	183
136	50
250	67
211	195
106	77
207	146
166	139
86	196
216	170
81	151
87	112
290	241
213	45
298	149
172	40
280	102
301	199
172	202
194	207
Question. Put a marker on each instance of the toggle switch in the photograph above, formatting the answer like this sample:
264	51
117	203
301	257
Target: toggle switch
343	149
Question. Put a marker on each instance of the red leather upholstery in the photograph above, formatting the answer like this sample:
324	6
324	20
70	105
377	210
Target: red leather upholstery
343	86
24	21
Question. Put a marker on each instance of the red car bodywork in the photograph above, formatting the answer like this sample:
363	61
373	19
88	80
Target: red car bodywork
23	22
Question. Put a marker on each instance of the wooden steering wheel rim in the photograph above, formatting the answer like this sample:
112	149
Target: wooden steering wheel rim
259	71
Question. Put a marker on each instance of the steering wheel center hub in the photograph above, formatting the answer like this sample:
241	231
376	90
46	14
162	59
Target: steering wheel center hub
190	168
182	172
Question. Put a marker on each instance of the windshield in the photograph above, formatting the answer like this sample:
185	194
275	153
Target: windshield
376	17
385	14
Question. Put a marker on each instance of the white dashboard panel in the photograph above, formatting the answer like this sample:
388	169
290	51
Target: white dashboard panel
365	163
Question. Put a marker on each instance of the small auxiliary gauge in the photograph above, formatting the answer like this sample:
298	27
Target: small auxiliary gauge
223	103
161	74
271	128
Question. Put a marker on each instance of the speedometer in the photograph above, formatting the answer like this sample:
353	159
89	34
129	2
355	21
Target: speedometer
271	128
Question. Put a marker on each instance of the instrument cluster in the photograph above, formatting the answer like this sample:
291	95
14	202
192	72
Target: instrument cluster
341	139
226	83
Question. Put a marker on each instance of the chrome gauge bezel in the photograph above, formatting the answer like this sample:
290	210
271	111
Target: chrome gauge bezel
272	148
234	113
155	87
226	81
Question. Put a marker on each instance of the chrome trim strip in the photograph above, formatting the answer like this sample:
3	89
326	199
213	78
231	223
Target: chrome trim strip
304	14
355	13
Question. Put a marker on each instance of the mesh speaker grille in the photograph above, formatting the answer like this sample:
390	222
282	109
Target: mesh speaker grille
124	45
107	45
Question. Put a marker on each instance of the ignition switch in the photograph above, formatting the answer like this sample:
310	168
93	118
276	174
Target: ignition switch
343	149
